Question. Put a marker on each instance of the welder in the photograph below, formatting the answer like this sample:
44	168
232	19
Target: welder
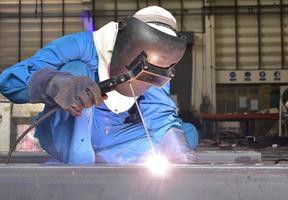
93	127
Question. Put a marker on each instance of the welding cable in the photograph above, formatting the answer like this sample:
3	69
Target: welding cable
34	124
38	121
280	160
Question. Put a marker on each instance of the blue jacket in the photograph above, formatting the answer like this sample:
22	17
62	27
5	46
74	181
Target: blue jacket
109	130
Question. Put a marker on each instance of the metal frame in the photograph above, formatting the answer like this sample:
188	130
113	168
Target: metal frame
206	10
19	29
259	34
93	13
115	10
41	24
63	17
282	35
181	15
236	35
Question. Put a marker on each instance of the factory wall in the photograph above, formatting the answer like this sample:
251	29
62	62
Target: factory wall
230	39
250	53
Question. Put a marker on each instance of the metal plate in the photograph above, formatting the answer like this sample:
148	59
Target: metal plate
215	182
216	157
228	157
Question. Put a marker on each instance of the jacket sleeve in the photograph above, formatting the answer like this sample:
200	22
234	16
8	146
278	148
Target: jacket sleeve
159	110
14	81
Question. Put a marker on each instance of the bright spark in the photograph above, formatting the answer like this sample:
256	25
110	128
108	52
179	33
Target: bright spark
157	164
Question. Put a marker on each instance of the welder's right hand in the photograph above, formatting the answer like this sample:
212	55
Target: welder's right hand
74	93
71	93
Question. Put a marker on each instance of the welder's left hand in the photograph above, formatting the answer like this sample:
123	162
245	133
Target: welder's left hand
176	148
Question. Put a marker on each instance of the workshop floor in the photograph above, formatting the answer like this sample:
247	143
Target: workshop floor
268	154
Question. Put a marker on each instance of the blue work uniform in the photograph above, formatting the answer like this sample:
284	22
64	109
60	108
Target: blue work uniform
108	137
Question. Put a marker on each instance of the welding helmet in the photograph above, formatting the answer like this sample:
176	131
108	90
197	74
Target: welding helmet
149	39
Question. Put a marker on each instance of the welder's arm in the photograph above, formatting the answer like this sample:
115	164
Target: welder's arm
14	81
159	112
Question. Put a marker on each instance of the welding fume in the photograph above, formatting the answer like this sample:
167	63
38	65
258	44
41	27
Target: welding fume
112	90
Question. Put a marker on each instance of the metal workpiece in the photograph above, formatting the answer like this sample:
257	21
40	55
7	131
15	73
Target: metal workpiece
203	157
228	157
215	182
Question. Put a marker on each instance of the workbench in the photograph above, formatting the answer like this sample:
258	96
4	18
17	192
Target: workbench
248	119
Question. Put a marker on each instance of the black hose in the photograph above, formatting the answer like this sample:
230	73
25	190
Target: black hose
34	124
280	160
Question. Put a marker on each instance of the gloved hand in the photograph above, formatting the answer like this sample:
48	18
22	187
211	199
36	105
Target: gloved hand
176	148
71	93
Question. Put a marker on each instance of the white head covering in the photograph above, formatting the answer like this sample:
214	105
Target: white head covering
105	39
155	16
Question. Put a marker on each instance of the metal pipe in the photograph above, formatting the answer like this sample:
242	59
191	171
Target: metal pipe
250	10
203	10
115	10
259	35
63	17
137	4
181	15
93	14
282	35
226	99
19	29
236	35
41	24
236	99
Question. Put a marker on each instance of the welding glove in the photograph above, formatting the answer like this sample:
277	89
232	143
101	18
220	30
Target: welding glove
71	93
176	148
